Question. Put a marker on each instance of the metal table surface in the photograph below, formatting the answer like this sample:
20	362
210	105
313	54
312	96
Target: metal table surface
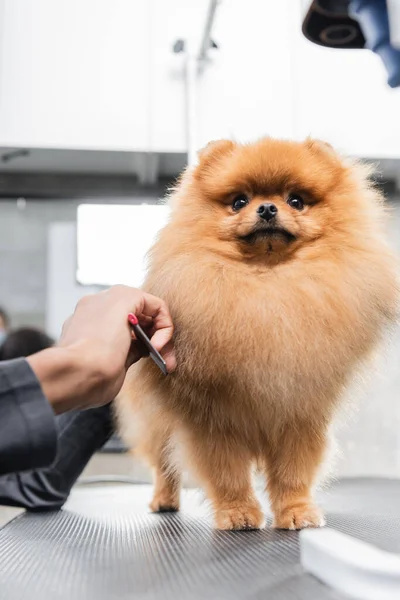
105	545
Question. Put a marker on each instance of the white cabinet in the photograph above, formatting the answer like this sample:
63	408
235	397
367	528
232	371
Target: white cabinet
74	74
246	91
94	74
101	75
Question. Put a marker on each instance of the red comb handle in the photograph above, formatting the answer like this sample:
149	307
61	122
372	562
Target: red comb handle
133	320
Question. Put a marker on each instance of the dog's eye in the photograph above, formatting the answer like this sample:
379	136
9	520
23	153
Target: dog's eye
240	201
295	201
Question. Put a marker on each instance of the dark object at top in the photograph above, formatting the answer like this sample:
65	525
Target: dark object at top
24	342
374	19
329	24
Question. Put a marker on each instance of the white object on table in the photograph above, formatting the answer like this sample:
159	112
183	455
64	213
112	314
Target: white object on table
349	565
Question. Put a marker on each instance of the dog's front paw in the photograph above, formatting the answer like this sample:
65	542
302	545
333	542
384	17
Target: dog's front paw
299	517
239	517
165	502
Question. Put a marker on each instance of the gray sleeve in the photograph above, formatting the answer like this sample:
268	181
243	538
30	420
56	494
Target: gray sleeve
28	438
80	435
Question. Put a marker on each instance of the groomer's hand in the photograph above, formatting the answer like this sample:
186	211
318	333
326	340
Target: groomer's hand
96	348
101	321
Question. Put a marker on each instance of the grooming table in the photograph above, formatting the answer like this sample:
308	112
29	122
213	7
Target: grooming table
105	545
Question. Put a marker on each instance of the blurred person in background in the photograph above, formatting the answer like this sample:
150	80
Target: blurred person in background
24	342
4	325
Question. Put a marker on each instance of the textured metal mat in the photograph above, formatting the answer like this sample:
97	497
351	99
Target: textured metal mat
105	545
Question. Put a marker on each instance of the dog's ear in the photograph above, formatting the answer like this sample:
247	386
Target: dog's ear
213	152
319	146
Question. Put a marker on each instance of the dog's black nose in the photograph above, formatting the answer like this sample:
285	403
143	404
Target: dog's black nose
267	211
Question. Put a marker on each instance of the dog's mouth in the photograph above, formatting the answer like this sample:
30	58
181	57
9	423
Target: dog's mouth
268	233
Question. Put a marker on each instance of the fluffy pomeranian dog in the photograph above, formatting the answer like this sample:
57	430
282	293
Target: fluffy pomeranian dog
277	274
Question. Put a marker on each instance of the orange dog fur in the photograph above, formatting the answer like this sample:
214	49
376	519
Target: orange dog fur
273	315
